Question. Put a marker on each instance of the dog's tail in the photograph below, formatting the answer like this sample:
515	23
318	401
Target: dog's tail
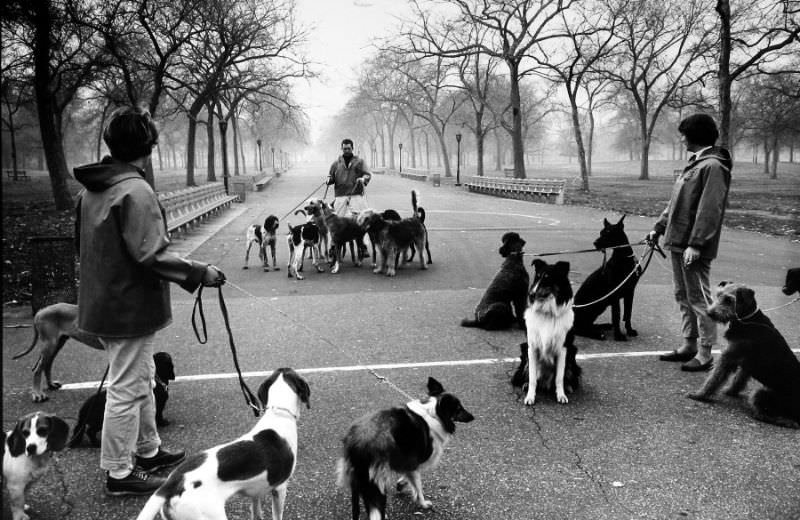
419	211
33	343
152	507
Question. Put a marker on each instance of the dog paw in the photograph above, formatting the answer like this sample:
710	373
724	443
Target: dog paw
425	504
562	397
631	332
335	268
619	336
38	397
391	272
377	270
245	267
699	397
530	399
732	393
54	385
162	422
266	269
276	268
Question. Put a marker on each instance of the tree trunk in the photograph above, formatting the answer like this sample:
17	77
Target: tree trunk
413	142
576	129
723	8
191	138
443	146
776	151
590	146
52	139
498	156
767	152
235	146
211	174
223	150
101	130
516	113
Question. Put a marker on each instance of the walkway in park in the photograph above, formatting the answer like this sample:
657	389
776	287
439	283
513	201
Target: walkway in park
628	445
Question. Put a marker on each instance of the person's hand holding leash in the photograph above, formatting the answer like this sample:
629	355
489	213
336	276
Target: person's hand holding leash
652	238
213	277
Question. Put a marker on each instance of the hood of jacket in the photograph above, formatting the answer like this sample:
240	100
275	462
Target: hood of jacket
100	176
721	154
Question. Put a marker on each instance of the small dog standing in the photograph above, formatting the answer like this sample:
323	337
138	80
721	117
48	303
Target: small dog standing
299	239
549	319
395	237
365	221
260	461
263	237
52	327
400	441
27	451
343	230
755	349
90	415
508	291
605	280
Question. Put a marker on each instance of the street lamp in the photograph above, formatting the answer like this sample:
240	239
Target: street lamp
458	160
272	149
401	156
260	166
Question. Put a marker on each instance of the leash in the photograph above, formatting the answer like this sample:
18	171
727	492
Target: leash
577	251
637	268
249	397
304	199
382	379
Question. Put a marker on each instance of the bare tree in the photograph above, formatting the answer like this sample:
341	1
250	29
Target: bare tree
660	41
753	35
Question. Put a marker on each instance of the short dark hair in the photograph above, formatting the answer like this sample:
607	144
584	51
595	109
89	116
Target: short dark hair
130	133
699	129
347	141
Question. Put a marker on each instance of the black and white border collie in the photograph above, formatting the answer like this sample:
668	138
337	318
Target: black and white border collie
398	442
260	461
548	319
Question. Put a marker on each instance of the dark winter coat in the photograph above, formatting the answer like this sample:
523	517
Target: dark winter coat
124	264
344	177
694	214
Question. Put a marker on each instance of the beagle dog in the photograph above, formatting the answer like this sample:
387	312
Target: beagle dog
27	450
263	237
260	461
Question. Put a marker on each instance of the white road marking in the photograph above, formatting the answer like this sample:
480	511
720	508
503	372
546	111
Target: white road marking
388	366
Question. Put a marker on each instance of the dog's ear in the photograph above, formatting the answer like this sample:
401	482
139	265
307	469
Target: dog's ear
745	301
621	219
723	283
16	440
538	264
300	386
562	268
606	223
434	387
58	432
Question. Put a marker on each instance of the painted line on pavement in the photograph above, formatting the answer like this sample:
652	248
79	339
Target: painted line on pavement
388	366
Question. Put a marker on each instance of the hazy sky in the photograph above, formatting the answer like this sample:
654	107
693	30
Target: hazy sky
339	41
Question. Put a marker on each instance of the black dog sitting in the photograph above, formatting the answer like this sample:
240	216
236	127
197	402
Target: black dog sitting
758	350
508	288
792	284
605	279
90	416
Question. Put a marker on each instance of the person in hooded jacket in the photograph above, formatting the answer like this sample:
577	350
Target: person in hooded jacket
691	225
124	295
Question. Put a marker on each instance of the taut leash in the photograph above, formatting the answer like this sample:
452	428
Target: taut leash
304	199
249	397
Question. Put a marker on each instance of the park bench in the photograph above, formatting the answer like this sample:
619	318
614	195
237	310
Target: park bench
548	190
677	173
416	174
17	175
508	173
190	205
263	181
378	171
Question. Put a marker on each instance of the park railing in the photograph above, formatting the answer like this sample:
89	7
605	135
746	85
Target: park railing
537	190
189	206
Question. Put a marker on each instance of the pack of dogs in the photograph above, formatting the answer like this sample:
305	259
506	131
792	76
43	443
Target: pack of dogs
389	448
325	237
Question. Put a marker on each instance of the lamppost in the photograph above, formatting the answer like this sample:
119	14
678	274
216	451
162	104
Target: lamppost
272	149
401	156
458	160
260	166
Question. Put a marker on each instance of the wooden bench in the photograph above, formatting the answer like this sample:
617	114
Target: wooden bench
677	173
17	175
191	205
378	171
508	173
548	190
263	181
416	174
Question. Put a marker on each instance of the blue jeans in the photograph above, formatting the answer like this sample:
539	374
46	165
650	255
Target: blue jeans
691	291
129	425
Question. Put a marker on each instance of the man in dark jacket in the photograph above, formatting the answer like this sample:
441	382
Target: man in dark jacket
349	175
124	297
691	225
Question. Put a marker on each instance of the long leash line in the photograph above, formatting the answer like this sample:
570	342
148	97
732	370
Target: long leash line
370	370
303	200
637	268
74	439
251	400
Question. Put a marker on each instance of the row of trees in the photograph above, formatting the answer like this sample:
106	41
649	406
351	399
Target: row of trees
502	67
226	64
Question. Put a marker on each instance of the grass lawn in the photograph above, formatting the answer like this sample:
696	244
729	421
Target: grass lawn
755	203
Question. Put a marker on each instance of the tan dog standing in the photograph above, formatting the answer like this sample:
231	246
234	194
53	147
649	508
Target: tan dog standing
52	327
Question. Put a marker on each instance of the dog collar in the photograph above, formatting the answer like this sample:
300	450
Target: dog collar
429	416
282	409
750	315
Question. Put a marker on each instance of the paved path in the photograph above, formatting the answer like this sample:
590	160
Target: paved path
628	445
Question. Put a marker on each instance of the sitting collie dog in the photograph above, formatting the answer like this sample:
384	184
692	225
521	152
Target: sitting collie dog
548	319
400	441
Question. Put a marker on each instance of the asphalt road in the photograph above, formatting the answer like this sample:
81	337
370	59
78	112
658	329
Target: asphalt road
628	445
